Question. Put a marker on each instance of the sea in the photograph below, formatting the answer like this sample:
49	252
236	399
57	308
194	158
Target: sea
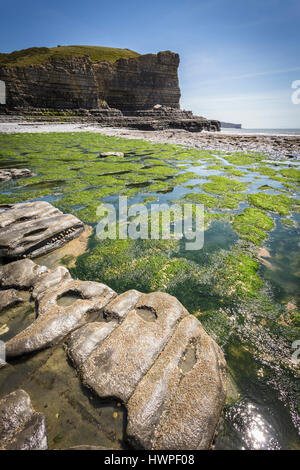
233	130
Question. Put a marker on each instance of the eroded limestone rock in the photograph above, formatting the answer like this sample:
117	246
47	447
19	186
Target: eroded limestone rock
116	366
48	280
157	359
20	274
178	403
35	228
21	427
61	309
9	298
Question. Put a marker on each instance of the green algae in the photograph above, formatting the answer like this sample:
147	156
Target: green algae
252	225
275	203
221	185
265	171
240	158
292	174
208	201
287	222
231	201
266	187
234	172
238	275
226	201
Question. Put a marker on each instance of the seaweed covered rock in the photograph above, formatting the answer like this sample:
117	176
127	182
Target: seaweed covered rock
21	427
34	228
157	359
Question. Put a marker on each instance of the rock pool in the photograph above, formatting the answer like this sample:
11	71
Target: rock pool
243	285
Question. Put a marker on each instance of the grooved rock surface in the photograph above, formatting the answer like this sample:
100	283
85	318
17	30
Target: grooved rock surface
158	360
134	83
20	274
34	228
21	427
43	283
61	309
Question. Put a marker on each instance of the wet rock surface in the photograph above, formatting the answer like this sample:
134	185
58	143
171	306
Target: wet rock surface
35	228
20	274
84	300
161	364
14	173
21	427
9	298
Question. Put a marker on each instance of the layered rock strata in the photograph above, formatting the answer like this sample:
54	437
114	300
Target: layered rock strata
35	228
127	84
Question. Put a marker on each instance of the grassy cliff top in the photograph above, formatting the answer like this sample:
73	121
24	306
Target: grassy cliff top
41	55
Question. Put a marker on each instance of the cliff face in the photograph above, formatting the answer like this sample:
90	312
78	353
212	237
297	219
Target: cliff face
57	84
140	83
127	84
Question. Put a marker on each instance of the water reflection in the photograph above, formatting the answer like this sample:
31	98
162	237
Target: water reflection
255	431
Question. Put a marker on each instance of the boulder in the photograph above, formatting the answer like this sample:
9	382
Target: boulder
158	360
14	173
20	274
178	403
21	427
111	154
116	365
61	309
35	228
9	298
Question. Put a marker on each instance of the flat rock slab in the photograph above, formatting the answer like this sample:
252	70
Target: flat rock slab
21	427
33	229
14	173
158	360
61	308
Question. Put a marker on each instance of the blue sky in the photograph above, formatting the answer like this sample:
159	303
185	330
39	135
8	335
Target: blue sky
238	58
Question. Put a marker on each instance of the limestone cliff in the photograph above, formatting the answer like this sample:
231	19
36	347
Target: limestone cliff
76	82
141	82
57	84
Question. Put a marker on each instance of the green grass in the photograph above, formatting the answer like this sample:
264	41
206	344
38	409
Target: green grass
41	55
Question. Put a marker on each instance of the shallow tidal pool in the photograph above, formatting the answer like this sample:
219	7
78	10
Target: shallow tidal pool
243	285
